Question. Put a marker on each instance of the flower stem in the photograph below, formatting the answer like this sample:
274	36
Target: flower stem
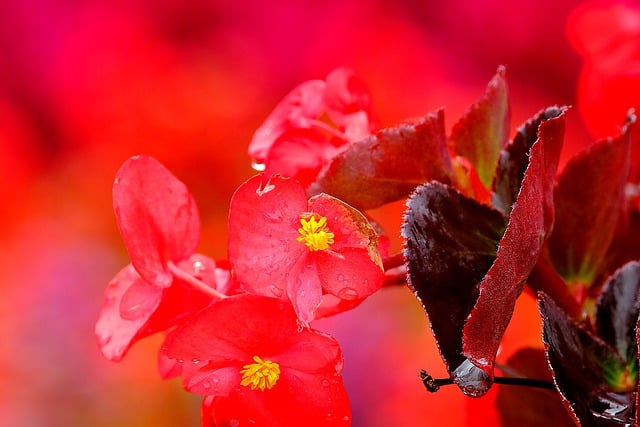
433	384
196	283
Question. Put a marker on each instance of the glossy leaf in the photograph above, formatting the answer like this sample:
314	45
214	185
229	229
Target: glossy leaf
588	208
484	128
451	242
514	160
617	311
582	365
157	217
530	222
389	165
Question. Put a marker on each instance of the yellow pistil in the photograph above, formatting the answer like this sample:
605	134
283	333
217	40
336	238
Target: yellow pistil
260	375
315	234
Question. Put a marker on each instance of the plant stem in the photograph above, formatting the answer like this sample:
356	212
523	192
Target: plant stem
433	384
196	283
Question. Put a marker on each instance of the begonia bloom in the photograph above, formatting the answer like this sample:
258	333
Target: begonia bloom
283	245
159	222
247	355
312	124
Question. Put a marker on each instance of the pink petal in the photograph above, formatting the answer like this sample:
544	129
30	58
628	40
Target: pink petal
294	111
264	218
157	217
304	289
115	334
299	154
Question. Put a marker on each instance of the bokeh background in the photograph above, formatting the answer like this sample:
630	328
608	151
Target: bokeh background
85	84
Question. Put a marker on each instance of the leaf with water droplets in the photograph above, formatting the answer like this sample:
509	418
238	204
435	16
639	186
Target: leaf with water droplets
584	369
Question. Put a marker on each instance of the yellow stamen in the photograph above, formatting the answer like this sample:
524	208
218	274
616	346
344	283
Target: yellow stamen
315	234
262	374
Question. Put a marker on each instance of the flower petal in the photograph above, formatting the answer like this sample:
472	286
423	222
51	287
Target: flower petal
116	334
157	217
264	218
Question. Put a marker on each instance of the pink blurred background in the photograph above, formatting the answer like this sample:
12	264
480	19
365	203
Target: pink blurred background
85	84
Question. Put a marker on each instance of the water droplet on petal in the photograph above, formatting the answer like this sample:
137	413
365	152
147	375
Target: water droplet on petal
104	337
206	385
348	294
325	382
195	361
346	418
258	166
276	291
340	277
329	416
216	380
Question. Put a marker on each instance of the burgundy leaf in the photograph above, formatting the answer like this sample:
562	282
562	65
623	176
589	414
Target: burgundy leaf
589	202
157	217
583	366
530	221
514	160
389	165
484	129
617	311
542	405
451	242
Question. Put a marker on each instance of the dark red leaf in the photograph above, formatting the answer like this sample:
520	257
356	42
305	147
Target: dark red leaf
543	407
530	221
514	160
157	217
484	129
451	242
583	365
589	203
389	165
617	311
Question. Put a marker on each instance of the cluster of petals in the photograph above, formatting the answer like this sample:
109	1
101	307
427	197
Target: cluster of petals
313	123
160	225
255	366
319	253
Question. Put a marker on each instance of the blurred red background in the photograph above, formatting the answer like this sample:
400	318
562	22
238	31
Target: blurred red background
85	84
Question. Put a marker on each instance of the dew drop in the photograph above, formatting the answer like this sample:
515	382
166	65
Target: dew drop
195	361
206	385
348	294
325	382
258	166
346	418
104	338
274	217
341	278
216	380
276	291
329	416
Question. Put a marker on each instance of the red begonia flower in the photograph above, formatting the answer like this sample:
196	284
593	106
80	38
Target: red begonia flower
166	280
283	245
308	127
247	355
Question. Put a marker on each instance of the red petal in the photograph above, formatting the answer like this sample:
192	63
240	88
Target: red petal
294	111
311	351
157	217
349	103
264	218
298	399
234	330
115	334
304	290
299	154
